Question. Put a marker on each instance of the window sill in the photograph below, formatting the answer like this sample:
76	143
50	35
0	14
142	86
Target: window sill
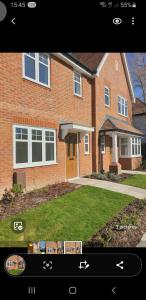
123	115
133	156
107	106
87	154
20	166
78	96
38	83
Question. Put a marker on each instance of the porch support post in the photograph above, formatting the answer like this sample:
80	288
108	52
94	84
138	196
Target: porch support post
115	166
114	148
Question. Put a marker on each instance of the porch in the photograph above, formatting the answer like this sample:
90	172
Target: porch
120	146
78	153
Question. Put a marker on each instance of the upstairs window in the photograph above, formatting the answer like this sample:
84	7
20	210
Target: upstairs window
107	96
122	106
77	84
36	68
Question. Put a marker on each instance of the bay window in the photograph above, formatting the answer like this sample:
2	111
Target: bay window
124	146
130	146
34	146
136	146
36	68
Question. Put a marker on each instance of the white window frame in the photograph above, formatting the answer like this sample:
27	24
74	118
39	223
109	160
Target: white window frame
87	143
130	147
36	80
102	143
125	102
30	164
74	81
137	143
105	94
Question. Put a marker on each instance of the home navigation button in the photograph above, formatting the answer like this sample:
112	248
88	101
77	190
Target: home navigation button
72	290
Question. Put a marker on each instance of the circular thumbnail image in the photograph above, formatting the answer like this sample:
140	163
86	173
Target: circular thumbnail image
15	265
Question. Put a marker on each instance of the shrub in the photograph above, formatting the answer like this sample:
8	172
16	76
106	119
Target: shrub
17	189
7	197
101	176
113	176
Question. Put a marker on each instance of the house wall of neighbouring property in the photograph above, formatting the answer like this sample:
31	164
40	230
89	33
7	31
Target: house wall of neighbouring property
27	103
117	82
139	121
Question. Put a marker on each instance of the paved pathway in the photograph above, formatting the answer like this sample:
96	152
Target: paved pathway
112	186
133	172
143	241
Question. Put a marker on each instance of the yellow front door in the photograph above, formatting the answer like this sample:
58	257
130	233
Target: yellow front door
71	155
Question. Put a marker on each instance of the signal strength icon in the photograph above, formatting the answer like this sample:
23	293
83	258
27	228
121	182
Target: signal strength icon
133	21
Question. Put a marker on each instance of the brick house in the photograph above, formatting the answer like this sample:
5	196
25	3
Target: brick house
64	116
139	121
15	262
116	142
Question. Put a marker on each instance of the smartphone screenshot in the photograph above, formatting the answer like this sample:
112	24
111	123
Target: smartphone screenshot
72	149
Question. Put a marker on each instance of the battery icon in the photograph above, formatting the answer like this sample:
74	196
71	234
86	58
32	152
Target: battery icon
31	4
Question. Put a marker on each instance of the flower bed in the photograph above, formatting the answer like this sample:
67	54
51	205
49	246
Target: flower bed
32	199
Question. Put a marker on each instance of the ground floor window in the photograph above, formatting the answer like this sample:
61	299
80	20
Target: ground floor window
34	146
130	146
86	144
124	146
136	146
102	144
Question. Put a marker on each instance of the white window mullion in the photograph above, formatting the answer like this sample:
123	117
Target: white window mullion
55	145
29	146
37	67
43	147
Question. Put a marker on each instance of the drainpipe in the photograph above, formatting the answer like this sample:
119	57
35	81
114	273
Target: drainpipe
94	134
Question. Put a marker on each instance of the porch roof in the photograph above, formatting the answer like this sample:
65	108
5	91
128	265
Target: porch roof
74	127
113	124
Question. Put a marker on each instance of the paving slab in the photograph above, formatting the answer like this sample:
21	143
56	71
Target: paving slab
141	244
112	186
143	238
133	172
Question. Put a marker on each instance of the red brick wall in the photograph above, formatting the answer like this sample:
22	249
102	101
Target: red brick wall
116	81
25	102
130	163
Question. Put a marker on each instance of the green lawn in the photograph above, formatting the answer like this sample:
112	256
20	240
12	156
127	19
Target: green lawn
76	216
15	272
136	180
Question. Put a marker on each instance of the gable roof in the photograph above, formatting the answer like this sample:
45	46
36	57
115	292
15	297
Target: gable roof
90	60
113	124
138	107
91	64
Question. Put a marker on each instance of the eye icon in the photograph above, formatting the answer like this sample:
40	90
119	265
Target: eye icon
117	21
